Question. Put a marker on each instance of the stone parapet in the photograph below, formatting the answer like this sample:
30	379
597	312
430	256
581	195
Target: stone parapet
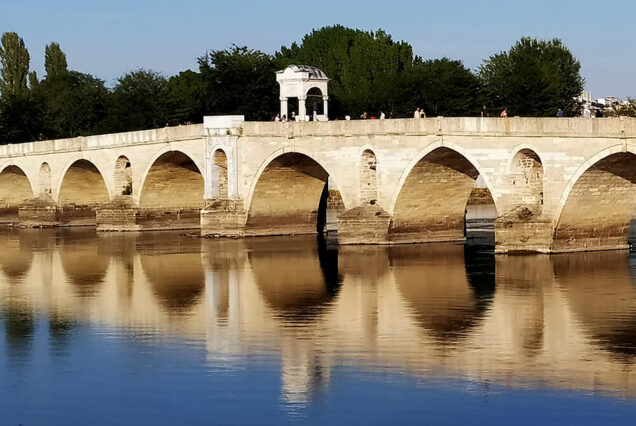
620	127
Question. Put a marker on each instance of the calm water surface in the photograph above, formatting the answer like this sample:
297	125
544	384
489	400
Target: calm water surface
158	328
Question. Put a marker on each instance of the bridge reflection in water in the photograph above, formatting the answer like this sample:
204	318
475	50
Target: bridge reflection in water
443	310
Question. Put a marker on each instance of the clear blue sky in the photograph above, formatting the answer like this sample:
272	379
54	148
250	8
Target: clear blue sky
109	37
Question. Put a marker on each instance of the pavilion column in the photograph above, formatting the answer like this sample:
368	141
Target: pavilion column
325	103
301	110
283	107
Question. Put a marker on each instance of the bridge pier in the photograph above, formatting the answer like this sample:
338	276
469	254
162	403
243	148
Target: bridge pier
523	229
118	215
224	218
367	224
122	215
44	212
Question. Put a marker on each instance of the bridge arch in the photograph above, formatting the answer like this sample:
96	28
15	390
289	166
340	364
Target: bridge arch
219	174
368	177
598	203
122	176
44	180
82	183
526	175
172	179
430	199
73	161
287	194
15	188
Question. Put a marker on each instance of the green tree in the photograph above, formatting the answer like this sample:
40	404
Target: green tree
626	109
14	58
366	68
74	104
138	101
54	60
239	80
20	119
186	98
534	78
443	87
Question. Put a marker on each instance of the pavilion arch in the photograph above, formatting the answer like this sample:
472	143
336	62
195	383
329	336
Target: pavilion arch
122	176
288	195
433	192
219	174
598	203
172	180
314	101
44	181
526	174
82	183
15	187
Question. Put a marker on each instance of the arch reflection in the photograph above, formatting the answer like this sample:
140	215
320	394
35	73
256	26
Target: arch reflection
600	289
297	277
84	261
447	288
16	255
177	279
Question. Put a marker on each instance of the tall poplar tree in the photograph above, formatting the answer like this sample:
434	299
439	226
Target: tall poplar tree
14	58
54	60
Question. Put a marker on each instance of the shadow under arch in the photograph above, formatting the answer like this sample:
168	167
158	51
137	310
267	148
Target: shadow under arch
173	180
290	196
600	288
598	209
298	278
82	189
447	288
83	184
431	202
15	189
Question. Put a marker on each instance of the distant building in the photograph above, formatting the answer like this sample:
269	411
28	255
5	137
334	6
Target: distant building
585	97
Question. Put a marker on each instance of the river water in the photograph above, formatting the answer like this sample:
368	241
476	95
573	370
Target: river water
159	328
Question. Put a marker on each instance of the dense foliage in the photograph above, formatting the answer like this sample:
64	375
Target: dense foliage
369	71
626	109
534	78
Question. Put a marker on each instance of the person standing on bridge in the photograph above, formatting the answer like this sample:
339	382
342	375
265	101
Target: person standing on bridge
416	114
504	113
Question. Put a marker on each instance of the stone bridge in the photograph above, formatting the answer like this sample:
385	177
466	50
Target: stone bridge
557	184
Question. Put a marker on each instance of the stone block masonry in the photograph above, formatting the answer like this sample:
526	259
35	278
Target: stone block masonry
396	181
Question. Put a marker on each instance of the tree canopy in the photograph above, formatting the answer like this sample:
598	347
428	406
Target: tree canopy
239	80
368	71
364	67
14	58
534	78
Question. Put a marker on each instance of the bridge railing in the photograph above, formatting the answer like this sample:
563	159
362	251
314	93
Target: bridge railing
515	126
81	143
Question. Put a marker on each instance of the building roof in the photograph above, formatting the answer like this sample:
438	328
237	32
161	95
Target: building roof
314	73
